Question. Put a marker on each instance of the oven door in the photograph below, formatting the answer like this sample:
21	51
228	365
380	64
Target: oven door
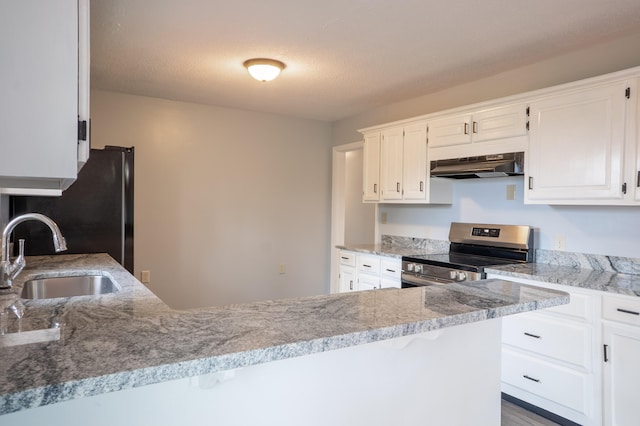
413	280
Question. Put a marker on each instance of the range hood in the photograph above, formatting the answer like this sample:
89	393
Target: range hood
496	165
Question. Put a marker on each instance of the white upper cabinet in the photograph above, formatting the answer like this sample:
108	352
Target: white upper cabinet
415	169
457	134
371	167
577	146
45	58
404	167
391	152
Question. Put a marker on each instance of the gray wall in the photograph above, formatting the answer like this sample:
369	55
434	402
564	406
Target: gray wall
222	198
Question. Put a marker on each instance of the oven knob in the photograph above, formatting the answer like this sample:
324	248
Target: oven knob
453	275
461	276
410	267
418	268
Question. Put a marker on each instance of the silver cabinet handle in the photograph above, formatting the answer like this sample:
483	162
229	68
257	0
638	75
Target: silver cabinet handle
530	182
397	186
421	186
535	336
350	284
375	188
531	378
466	128
475	127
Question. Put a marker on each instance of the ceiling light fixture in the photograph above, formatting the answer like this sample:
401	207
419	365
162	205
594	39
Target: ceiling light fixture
264	69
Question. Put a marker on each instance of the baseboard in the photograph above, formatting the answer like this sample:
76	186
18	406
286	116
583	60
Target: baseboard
539	411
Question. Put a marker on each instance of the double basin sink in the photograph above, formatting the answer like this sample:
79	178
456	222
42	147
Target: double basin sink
69	286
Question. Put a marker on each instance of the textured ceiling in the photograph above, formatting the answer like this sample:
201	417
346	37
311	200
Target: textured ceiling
343	56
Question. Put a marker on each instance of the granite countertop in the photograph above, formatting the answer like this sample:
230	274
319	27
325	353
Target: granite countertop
573	276
390	250
131	338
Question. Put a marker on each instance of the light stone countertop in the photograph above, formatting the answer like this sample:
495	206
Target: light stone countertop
572	276
390	250
131	338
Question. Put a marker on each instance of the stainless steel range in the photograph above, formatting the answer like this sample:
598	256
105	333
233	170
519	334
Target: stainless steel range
472	247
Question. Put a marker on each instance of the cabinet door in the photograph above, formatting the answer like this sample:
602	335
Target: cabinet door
621	375
576	143
499	123
415	172
447	131
371	167
39	86
347	279
368	282
391	164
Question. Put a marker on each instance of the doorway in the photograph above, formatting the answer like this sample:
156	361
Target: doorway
352	221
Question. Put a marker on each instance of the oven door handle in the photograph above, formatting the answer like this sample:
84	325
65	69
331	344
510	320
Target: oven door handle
417	280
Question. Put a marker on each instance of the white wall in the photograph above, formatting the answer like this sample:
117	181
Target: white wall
359	227
597	230
222	198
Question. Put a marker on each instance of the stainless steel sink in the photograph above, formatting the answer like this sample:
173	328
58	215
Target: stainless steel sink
78	285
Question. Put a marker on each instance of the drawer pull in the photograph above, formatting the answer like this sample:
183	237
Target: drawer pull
366	266
625	311
531	378
531	335
344	257
391	270
606	355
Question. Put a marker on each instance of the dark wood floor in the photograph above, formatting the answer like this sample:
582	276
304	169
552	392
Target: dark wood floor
513	415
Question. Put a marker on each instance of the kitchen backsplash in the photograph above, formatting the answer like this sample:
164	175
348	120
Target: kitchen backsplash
416	243
622	265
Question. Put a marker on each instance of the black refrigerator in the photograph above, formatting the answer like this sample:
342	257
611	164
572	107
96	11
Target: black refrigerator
95	214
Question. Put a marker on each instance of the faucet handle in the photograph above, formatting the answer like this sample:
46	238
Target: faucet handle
20	262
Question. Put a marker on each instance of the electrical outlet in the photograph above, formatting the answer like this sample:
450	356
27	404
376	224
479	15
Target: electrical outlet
282	269
559	242
145	276
511	192
383	217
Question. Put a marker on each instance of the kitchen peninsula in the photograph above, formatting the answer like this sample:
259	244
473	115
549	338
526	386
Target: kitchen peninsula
374	356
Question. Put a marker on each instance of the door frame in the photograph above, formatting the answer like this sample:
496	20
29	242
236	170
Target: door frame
338	208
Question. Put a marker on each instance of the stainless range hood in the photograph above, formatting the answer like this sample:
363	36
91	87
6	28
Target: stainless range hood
496	165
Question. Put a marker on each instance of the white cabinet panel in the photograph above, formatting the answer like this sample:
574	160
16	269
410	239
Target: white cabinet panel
415	171
371	167
360	271
391	164
565	387
576	146
447	131
565	342
39	108
621	375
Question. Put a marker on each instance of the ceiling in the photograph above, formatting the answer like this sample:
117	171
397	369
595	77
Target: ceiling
343	57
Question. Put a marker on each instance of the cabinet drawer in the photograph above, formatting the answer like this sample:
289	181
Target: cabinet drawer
347	258
580	307
563	386
622	309
569	343
391	267
368	264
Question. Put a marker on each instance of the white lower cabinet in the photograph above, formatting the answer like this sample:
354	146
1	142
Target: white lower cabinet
550	357
360	271
621	352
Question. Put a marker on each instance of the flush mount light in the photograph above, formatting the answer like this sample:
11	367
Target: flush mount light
264	69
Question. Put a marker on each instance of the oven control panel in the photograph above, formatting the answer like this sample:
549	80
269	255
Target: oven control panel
486	232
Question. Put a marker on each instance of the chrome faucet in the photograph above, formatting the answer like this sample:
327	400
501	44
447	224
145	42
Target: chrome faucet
9	271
